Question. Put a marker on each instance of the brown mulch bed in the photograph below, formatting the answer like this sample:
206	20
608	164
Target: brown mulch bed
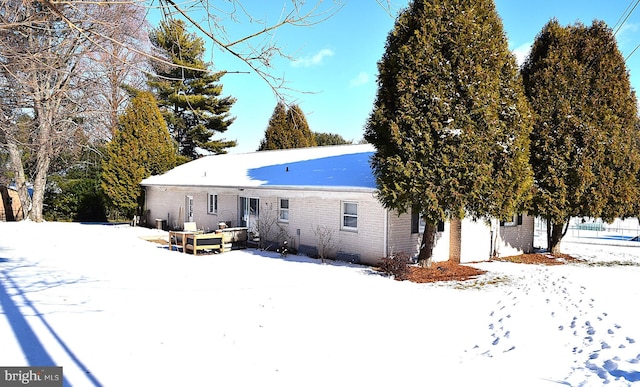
449	271
442	271
538	258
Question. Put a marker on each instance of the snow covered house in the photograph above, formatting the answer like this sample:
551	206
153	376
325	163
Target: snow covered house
292	194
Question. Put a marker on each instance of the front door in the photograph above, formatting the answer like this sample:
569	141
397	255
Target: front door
249	211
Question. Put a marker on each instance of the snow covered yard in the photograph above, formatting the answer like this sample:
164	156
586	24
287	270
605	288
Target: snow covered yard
116	310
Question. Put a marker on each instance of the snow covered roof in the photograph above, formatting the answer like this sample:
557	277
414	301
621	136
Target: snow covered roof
328	167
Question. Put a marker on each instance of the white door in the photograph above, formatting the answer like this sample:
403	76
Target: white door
249	212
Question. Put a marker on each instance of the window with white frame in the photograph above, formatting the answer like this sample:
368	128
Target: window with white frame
421	224
212	203
514	220
283	210
349	216
418	224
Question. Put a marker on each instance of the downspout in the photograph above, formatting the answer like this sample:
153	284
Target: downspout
385	226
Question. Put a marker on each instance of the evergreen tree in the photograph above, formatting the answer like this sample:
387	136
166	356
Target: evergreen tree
275	137
584	142
75	193
450	122
288	128
299	130
140	148
189	95
325	139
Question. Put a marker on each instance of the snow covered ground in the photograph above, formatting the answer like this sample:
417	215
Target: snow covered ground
116	310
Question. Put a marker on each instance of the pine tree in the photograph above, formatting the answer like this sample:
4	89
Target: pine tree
584	142
275	137
189	96
299	130
450	122
141	147
287	129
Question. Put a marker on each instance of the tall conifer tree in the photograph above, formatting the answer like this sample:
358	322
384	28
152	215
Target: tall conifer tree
450	122
585	140
189	95
299	128
141	147
288	128
275	135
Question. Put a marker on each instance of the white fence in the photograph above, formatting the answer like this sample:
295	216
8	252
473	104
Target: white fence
583	229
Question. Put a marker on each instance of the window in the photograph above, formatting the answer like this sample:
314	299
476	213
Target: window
349	216
212	203
283	210
514	220
418	224
188	205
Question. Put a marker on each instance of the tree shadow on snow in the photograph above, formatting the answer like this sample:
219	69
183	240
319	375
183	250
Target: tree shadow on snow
14	300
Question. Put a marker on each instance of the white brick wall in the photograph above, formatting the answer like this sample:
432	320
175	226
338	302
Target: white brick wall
515	240
169	202
476	241
308	209
402	240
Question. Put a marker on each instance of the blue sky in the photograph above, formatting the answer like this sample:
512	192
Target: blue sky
334	68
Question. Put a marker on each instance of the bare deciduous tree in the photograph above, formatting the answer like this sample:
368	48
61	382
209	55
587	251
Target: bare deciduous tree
212	19
116	67
268	228
10	133
326	241
48	52
41	58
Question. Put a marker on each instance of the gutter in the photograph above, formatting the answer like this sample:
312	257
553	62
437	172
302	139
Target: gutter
275	187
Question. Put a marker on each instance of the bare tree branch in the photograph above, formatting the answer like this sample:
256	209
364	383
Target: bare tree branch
259	58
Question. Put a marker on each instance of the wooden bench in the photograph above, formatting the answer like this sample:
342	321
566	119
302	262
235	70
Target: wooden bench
235	238
179	239
204	242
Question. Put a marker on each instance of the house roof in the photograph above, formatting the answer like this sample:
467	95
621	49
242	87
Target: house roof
328	167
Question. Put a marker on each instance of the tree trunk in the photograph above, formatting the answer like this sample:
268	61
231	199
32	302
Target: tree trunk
39	185
19	178
43	160
548	224
425	256
455	240
555	237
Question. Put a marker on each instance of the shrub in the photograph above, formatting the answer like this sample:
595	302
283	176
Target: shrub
396	265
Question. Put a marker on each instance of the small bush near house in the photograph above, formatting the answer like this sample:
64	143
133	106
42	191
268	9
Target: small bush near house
396	265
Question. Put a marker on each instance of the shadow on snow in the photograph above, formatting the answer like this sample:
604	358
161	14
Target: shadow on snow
33	349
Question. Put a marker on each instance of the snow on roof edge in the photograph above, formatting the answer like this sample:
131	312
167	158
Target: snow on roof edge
261	169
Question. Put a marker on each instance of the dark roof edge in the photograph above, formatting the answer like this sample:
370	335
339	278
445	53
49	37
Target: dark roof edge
275	187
